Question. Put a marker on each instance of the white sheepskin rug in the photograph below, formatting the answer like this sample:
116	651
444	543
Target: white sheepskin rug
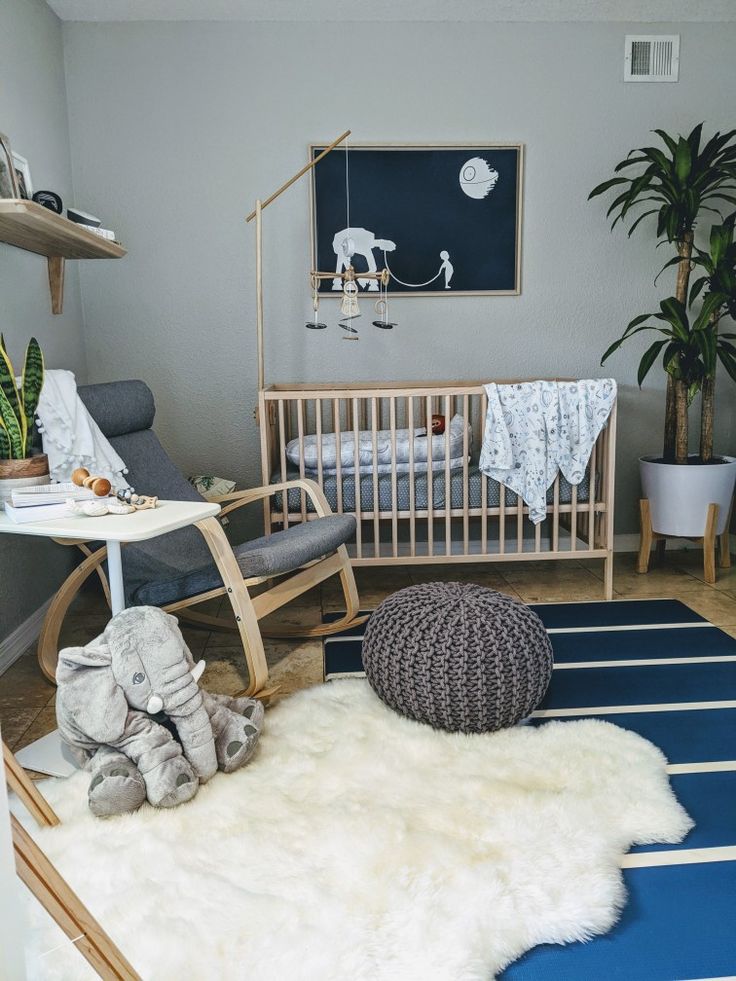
360	845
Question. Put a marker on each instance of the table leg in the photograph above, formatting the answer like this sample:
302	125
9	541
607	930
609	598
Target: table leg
115	576
49	754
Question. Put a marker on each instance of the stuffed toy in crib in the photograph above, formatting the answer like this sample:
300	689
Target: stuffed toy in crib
130	707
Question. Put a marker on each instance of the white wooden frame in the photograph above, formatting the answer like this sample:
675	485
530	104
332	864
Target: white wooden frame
573	530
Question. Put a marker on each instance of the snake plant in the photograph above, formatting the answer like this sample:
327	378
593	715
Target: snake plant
18	403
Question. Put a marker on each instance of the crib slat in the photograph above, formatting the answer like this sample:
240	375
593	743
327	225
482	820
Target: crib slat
356	472
300	431
574	519
448	503
484	483
430	477
412	479
556	514
376	511
502	518
318	431
394	496
538	537
591	496
610	491
338	451
282	450
466	519
519	523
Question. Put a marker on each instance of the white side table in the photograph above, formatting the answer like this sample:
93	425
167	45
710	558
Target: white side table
47	755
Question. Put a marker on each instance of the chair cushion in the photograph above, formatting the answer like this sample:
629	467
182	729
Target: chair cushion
284	551
274	555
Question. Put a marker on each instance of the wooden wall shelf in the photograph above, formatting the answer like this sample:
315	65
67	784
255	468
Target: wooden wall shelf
30	226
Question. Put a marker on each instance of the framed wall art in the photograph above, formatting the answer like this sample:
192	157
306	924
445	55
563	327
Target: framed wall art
8	178
445	220
23	176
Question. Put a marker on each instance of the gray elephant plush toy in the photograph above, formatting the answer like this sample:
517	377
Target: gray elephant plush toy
130	707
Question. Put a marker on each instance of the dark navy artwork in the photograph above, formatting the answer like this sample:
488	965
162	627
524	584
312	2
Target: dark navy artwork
441	219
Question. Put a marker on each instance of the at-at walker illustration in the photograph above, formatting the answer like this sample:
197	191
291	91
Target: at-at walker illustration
358	241
349	242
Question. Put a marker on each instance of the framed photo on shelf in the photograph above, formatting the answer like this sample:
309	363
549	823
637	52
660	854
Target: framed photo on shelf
23	177
443	219
8	179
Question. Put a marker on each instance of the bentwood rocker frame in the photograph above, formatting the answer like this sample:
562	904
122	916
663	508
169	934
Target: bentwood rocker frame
247	609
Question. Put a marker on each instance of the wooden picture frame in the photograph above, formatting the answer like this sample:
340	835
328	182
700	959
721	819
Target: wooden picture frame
8	179
22	176
456	206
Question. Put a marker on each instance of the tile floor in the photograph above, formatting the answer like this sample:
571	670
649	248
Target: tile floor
27	699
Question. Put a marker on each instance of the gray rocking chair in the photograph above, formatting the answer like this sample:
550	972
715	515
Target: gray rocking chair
179	570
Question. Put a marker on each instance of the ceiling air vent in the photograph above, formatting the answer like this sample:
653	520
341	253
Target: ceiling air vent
651	58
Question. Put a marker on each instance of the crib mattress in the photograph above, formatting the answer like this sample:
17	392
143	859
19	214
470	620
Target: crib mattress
421	496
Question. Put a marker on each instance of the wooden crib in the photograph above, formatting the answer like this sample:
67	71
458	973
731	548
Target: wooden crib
448	512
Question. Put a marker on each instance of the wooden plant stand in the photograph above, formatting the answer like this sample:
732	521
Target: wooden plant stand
708	540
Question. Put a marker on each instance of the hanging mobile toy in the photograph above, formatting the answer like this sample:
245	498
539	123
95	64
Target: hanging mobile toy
349	307
351	281
315	324
381	306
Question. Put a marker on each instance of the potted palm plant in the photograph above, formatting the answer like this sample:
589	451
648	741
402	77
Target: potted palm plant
20	463
682	182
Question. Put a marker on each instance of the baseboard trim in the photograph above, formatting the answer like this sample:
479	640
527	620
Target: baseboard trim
22	637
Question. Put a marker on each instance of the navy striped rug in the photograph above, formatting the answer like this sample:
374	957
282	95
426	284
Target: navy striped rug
657	668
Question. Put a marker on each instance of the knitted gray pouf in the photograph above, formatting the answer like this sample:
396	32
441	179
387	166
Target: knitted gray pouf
458	656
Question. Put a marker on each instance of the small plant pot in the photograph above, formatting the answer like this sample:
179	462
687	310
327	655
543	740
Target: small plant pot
679	494
16	474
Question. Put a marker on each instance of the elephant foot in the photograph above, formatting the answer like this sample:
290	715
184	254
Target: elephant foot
237	741
116	788
171	783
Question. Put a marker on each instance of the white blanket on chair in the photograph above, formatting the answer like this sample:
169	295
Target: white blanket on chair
71	437
534	430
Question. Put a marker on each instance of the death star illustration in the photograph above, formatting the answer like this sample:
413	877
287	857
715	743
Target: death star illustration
477	179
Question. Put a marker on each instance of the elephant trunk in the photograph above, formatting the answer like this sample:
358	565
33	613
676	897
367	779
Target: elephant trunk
155	703
185	707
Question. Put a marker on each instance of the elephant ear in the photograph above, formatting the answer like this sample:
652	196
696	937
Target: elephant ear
89	693
173	625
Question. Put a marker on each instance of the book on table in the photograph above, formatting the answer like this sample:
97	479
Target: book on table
47	494
42	512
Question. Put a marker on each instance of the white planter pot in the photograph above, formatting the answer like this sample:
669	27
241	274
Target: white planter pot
679	495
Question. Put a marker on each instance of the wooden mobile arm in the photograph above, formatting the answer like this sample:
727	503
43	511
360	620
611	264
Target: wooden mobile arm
300	173
257	213
350	275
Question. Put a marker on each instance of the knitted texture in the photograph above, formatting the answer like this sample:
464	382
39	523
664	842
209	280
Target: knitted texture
458	656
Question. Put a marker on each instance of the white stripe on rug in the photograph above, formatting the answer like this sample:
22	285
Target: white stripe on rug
715	766
679	856
622	709
341	639
641	662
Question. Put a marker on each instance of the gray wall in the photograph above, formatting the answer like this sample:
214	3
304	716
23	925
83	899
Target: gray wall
177	127
33	115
